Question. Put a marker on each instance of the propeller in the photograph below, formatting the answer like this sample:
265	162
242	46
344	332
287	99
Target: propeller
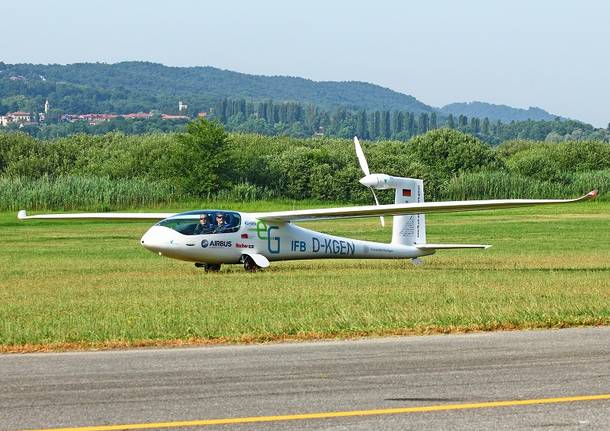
365	168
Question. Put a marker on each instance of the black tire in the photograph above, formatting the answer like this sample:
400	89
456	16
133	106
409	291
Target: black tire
211	267
250	265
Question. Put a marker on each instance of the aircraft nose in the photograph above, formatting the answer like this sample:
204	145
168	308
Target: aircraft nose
157	239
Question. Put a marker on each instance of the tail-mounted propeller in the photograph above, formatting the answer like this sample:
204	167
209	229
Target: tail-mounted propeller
369	180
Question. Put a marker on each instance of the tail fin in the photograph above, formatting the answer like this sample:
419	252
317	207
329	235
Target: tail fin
408	229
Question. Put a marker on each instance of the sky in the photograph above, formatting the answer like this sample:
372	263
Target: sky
553	54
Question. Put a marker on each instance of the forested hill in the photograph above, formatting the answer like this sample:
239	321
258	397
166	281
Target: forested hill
496	112
150	85
141	86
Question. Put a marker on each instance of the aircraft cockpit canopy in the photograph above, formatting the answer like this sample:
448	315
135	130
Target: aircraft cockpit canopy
203	222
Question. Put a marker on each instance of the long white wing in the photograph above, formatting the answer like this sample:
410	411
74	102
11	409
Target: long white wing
22	215
411	208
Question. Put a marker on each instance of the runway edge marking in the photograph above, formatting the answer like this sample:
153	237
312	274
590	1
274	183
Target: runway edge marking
330	415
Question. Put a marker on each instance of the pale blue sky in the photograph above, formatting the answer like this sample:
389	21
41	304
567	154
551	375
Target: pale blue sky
552	54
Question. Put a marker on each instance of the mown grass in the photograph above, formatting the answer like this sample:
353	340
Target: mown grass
90	284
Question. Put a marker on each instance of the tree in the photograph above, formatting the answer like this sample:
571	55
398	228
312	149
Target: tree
450	122
485	127
269	113
375	125
398	123
385	124
199	161
54	115
474	125
222	111
448	153
498	127
411	123
361	129
423	122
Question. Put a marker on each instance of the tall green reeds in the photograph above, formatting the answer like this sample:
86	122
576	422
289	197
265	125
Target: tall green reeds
501	184
76	192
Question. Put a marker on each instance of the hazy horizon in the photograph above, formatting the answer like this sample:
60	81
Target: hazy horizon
547	54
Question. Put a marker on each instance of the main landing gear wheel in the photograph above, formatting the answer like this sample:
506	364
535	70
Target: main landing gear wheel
250	265
208	267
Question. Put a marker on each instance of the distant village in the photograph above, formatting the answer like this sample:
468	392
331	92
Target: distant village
22	119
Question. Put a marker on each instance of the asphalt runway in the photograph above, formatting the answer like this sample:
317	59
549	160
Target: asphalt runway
505	380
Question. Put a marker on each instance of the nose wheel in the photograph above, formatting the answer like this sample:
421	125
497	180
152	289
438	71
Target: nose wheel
249	264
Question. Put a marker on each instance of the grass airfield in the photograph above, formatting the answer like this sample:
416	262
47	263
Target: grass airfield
73	285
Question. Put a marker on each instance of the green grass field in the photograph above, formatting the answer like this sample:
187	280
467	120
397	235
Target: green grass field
90	284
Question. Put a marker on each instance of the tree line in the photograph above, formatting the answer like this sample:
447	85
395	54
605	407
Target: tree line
297	120
301	120
205	163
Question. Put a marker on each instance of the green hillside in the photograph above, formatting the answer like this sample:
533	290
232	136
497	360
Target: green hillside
94	87
142	86
268	105
497	112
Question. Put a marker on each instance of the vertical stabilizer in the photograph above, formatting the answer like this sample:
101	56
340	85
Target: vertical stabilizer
409	229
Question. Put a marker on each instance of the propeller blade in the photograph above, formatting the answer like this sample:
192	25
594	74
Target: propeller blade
363	164
365	168
381	219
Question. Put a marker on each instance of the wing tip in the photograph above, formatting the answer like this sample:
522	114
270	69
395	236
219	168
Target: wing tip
592	194
22	215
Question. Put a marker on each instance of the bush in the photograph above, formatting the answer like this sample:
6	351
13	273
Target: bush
554	161
206	162
449	152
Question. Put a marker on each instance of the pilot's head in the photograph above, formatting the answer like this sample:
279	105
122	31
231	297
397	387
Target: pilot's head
203	219
220	218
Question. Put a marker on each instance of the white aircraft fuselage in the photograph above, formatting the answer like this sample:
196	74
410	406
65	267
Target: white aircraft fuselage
275	241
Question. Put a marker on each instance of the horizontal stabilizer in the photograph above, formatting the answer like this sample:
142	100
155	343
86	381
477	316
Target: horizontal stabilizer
449	246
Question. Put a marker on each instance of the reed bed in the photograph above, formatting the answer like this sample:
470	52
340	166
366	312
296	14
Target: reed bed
83	193
499	185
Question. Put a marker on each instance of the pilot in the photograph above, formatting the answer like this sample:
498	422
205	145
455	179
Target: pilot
203	226
221	225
